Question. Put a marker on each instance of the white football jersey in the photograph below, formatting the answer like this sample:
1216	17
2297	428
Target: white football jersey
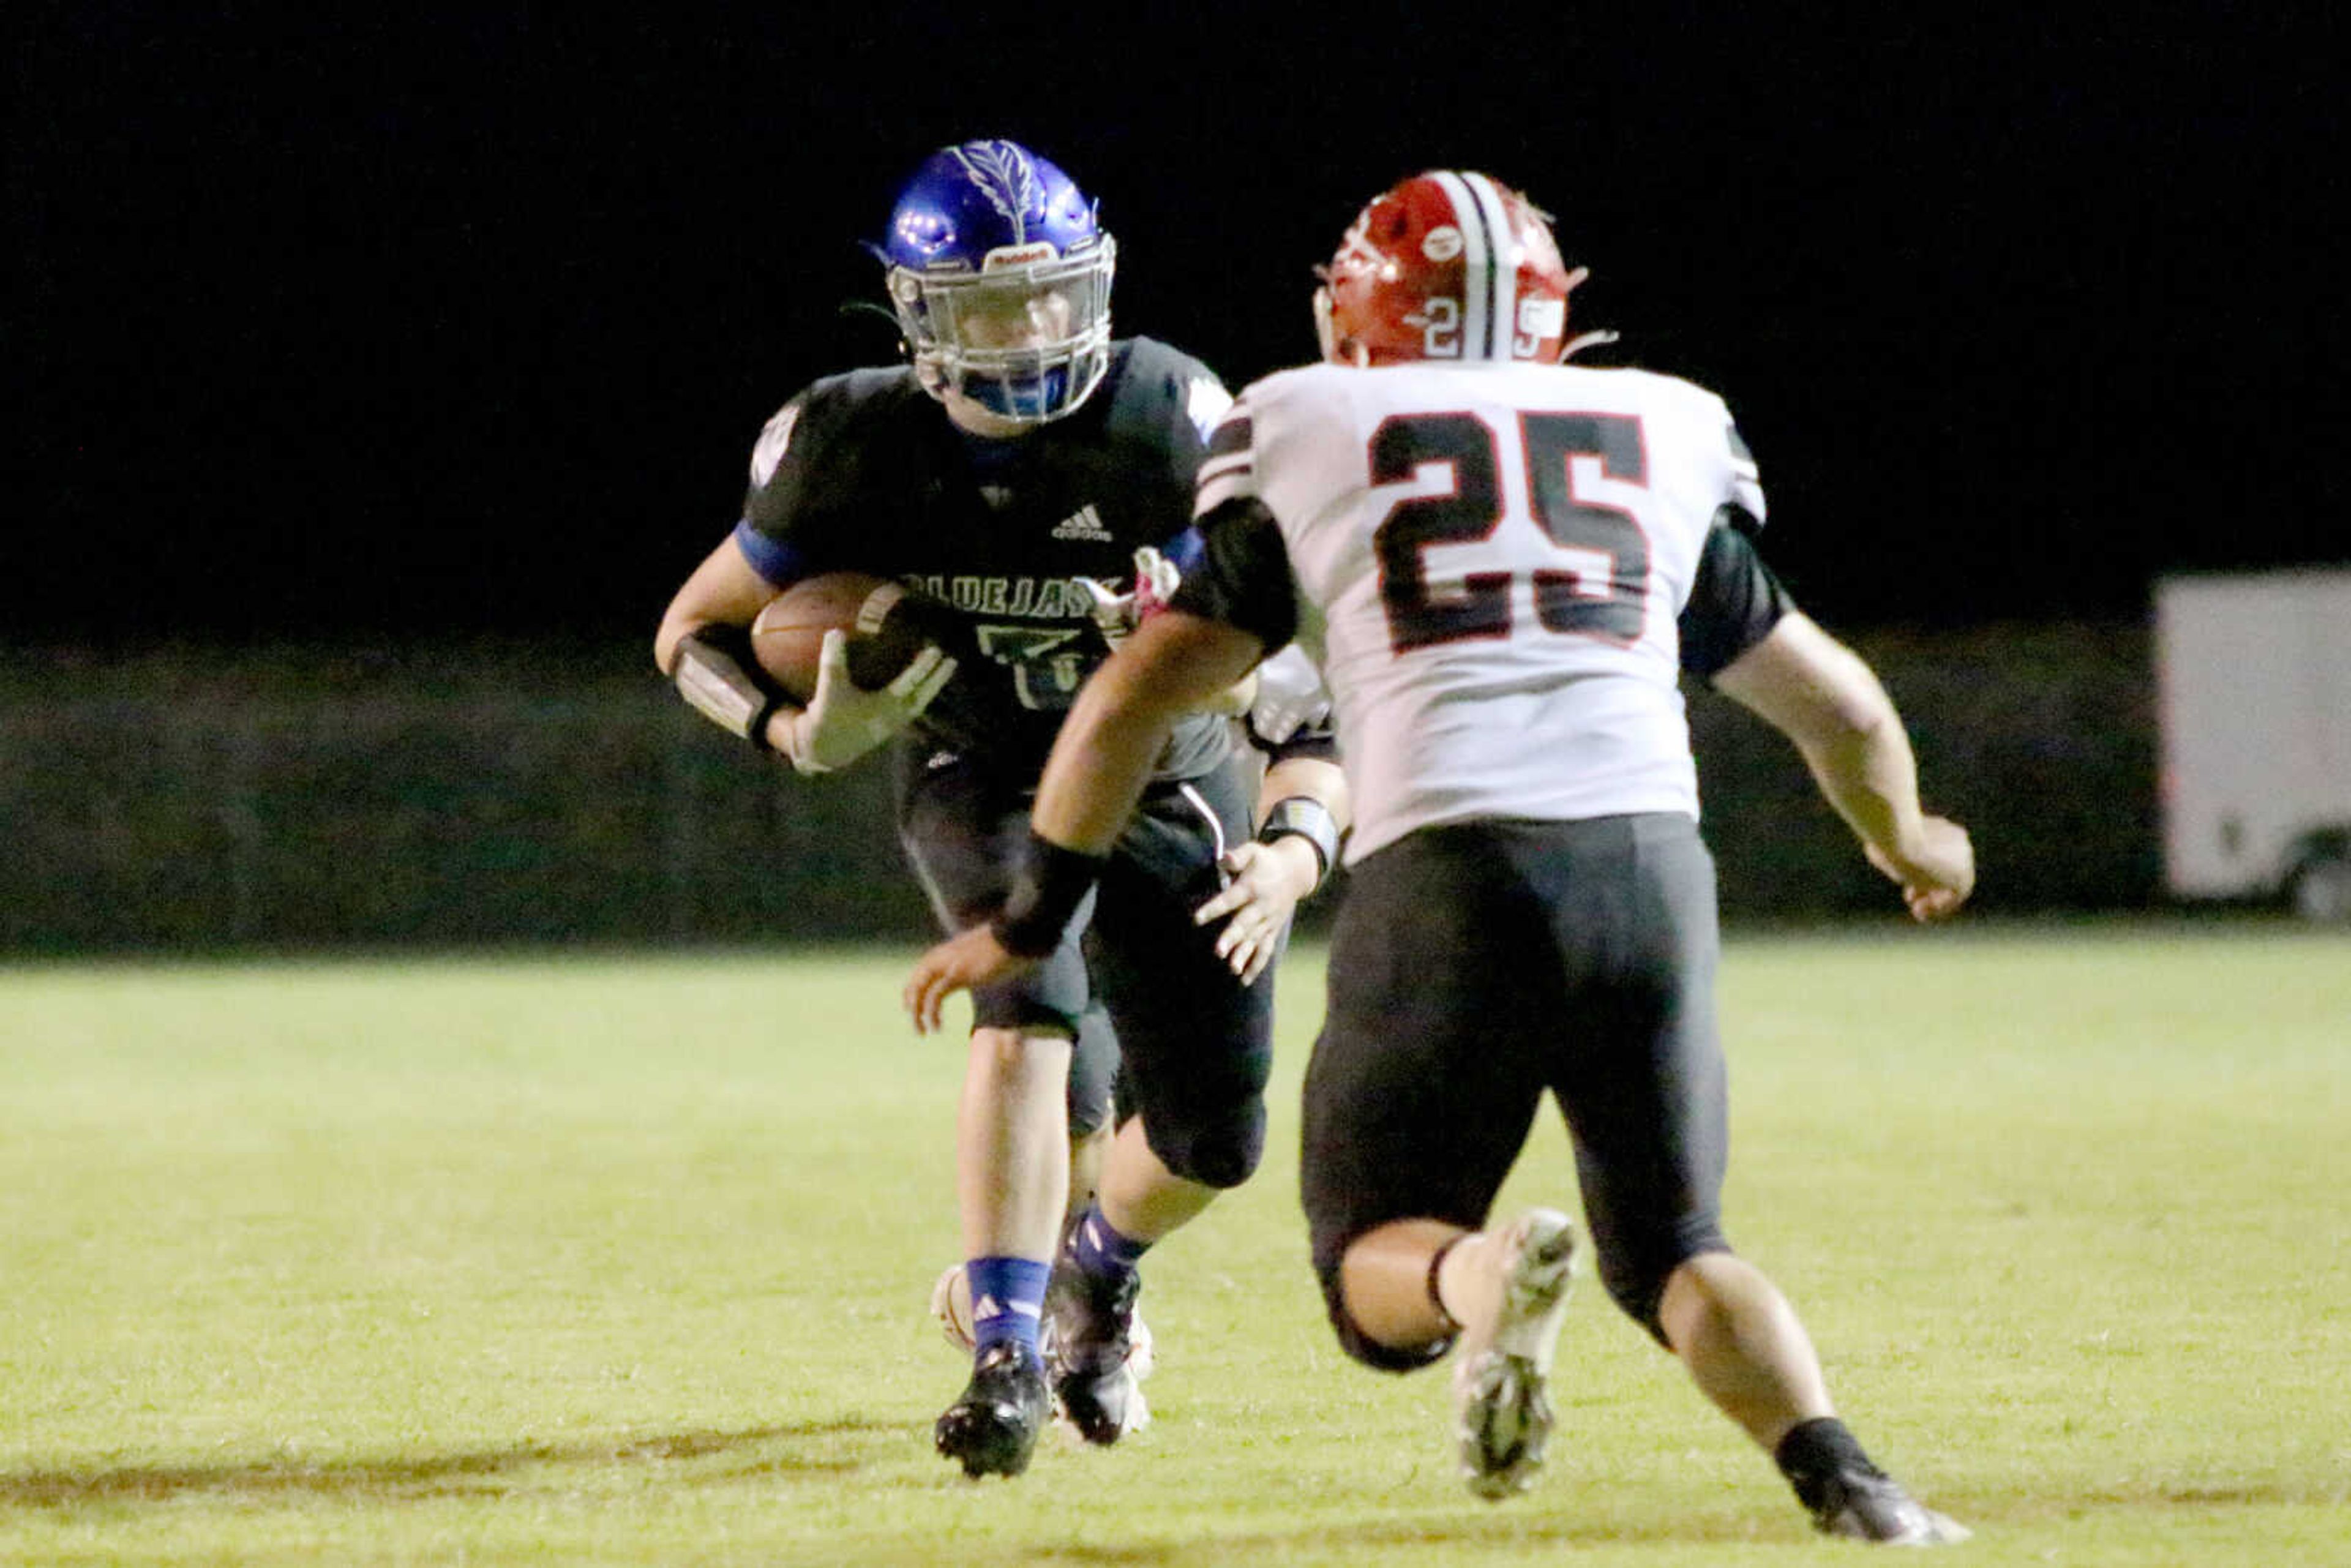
1490	561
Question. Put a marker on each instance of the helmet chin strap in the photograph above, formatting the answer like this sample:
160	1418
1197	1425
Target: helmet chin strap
1592	340
1583	340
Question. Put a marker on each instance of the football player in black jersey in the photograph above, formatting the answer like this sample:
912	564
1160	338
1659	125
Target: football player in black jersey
1500	559
1020	461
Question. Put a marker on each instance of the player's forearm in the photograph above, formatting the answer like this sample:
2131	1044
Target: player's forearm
1303	812
713	670
1102	759
1823	698
1100	762
1175	664
1307	778
1869	775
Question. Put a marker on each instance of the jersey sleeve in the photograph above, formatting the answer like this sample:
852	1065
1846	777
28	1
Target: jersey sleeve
1170	404
1746	478
1228	470
1243	575
1734	604
785	514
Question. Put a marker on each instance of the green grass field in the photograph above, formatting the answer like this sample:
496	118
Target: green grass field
625	1262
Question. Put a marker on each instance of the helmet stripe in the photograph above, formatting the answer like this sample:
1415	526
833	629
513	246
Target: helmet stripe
1477	251
1502	272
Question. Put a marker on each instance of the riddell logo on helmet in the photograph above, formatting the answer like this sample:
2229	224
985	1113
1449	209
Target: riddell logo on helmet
1006	256
1442	242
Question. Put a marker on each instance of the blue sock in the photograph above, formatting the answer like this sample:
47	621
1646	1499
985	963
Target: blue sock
1008	1296
1097	1249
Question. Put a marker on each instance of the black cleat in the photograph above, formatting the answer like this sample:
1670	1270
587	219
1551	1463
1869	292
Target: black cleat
1091	1323
1867	1504
992	1427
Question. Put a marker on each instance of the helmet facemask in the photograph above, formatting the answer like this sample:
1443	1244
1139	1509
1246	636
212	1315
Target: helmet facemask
1027	337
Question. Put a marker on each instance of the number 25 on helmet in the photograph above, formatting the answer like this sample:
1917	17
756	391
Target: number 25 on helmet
1447	266
999	274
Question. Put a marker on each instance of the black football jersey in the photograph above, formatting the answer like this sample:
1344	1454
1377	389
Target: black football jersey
864	472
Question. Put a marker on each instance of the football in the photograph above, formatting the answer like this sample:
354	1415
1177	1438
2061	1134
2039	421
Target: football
888	624
788	638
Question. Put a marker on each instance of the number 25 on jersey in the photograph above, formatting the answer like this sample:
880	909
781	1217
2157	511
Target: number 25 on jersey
1598	582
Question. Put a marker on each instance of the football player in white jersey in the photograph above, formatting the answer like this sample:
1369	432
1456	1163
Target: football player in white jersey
1502	562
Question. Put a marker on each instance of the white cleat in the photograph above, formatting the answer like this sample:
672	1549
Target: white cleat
1502	1415
1867	1505
951	1310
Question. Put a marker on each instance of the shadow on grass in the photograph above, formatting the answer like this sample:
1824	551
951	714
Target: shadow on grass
1513	1532
809	1449
1539	1533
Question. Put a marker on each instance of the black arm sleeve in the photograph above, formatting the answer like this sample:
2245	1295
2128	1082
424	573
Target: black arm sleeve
1734	605
1243	578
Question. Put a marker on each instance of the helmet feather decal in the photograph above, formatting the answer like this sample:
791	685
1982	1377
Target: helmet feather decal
1002	172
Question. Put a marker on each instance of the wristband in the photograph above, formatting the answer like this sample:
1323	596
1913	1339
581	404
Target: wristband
1053	882
1304	816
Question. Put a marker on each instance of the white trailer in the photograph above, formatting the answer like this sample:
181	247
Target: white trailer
2254	679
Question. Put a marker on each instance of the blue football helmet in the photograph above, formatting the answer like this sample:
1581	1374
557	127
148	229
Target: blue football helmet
1001	278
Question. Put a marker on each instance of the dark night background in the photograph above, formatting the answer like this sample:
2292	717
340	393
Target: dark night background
462	321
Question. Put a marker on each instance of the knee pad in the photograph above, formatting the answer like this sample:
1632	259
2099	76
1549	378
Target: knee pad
1093	1065
1220	1156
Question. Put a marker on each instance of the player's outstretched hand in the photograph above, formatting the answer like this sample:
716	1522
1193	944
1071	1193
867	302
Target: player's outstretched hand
1268	881
843	721
973	957
1939	873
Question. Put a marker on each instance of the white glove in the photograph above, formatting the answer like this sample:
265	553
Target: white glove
842	722
1289	694
1118	614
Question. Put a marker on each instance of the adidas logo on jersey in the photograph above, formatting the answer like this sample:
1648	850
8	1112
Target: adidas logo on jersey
1085	522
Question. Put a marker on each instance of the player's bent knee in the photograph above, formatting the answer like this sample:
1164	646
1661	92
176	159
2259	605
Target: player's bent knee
1637	1285
1013	1041
1088	1098
1637	1297
1361	1346
1221	1156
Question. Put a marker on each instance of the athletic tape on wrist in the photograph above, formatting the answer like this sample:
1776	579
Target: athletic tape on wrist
1301	817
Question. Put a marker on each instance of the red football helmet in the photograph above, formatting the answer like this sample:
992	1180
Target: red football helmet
1448	265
